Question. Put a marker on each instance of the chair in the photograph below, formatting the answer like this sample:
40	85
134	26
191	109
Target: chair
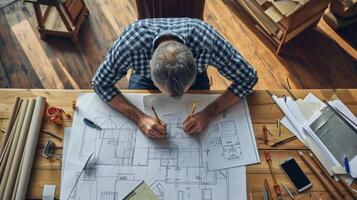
170	8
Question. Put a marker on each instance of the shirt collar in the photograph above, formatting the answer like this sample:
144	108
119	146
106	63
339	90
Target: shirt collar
166	33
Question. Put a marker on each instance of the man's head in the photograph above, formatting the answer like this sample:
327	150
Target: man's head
173	68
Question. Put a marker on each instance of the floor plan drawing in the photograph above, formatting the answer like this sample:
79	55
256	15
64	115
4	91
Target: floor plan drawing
175	168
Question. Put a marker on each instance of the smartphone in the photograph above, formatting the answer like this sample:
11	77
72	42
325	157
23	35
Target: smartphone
295	174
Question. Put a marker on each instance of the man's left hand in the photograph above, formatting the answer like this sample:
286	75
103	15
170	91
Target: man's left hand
196	123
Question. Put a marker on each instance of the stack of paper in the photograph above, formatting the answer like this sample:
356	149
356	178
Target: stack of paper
299	117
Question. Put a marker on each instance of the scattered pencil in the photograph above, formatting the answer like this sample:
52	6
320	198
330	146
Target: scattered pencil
283	141
267	130
320	176
51	134
288	191
278	126
276	185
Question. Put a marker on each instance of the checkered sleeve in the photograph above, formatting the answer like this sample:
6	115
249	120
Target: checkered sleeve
114	67
233	66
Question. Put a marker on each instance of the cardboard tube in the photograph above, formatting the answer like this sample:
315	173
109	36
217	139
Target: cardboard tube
10	123
7	164
19	150
5	153
30	148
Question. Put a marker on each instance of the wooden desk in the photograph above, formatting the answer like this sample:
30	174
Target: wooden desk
263	112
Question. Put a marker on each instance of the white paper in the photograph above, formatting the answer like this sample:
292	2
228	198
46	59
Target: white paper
228	141
66	136
174	168
48	192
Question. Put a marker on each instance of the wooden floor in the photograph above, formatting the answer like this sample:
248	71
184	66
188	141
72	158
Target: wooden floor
319	58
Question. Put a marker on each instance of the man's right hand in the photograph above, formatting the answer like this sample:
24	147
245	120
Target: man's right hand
152	128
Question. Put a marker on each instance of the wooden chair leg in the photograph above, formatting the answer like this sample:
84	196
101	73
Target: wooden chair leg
64	18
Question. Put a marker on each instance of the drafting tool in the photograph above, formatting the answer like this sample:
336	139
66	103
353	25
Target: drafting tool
51	134
288	83
91	124
267	130
278	126
288	191
344	119
55	115
322	169
323	180
193	108
267	188
276	185
80	174
290	93
141	192
157	117
49	150
283	141
353	192
347	164
265	135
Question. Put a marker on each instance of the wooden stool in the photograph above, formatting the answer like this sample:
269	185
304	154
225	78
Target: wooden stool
60	18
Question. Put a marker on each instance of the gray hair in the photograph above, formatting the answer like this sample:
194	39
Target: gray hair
173	65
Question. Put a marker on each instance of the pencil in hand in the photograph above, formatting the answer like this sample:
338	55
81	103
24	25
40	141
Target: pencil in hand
157	117
193	108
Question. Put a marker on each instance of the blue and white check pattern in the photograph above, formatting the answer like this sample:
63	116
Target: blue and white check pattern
134	48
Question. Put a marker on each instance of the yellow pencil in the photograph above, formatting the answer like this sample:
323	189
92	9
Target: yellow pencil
157	117
193	108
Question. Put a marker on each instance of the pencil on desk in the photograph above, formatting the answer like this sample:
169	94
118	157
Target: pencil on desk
157	117
193	108
319	175
283	141
324	172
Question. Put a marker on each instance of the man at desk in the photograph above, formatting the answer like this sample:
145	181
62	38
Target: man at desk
172	55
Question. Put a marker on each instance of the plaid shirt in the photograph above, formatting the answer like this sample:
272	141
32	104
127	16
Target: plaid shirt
135	46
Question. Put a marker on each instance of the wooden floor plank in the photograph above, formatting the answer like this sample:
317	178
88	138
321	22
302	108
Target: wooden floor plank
320	58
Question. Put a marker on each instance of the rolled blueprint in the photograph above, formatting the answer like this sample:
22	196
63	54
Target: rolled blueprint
30	148
6	165
19	150
10	123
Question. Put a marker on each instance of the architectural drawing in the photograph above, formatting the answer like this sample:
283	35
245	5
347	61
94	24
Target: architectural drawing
175	167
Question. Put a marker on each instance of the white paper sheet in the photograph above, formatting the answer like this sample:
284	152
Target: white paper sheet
175	168
298	113
228	141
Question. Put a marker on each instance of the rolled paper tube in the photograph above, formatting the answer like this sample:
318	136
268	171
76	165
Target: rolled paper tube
5	153
10	157
19	150
30	148
10	123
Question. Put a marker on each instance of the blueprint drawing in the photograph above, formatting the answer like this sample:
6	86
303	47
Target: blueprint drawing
175	167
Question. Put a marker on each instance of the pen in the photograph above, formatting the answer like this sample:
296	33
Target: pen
283	141
157	117
288	191
51	134
193	108
347	165
91	124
